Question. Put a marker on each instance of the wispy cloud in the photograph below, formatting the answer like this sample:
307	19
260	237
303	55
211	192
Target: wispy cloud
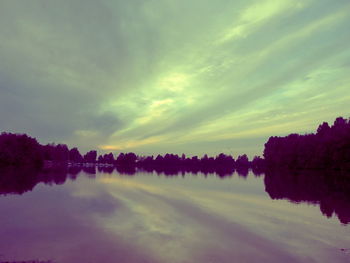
171	76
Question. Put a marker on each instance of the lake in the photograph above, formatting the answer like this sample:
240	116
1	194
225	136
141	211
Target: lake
101	215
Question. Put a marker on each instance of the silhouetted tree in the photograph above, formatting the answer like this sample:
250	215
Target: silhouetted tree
106	158
258	165
19	149
128	159
75	156
58	153
328	148
242	161
90	157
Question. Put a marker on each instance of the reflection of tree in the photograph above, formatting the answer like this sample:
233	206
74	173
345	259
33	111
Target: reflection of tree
18	180
74	171
329	190
243	172
55	175
106	169
127	170
89	169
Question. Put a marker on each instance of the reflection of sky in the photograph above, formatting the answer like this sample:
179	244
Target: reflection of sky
158	219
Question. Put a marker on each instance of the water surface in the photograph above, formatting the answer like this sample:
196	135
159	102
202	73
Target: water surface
146	217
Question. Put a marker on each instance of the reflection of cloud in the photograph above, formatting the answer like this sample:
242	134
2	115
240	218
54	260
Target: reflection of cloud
176	225
180	221
147	218
129	184
59	225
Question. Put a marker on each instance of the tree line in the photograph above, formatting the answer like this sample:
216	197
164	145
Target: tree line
20	149
328	148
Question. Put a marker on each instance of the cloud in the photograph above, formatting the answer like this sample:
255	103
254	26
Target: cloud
136	75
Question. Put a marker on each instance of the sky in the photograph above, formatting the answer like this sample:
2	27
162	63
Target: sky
177	76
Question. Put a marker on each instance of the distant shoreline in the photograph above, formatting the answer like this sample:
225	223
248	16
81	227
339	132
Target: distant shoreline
327	149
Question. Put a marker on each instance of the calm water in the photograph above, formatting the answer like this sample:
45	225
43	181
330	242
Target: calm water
110	217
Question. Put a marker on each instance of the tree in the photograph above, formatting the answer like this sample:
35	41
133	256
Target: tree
242	161
128	159
323	129
328	148
90	157
75	156
20	149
